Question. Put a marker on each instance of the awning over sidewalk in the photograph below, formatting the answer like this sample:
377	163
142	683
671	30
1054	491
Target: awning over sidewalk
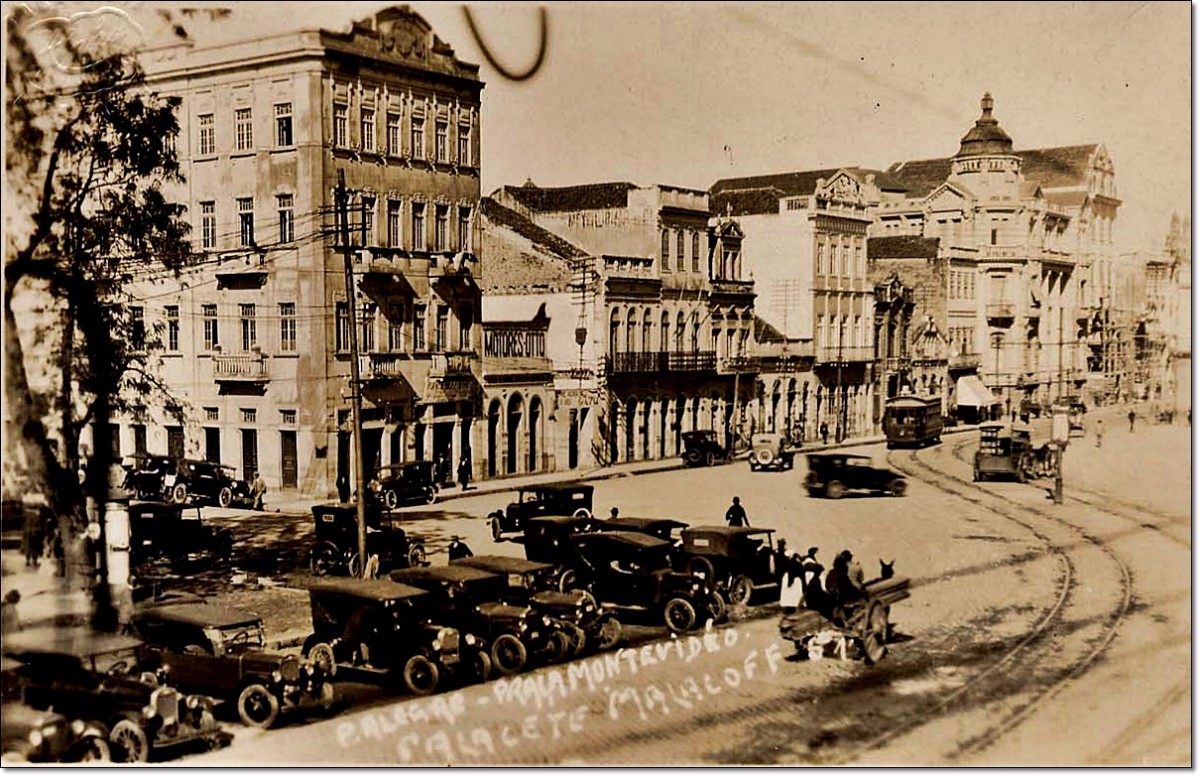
973	393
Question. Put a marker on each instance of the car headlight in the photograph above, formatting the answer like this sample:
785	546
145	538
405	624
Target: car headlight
148	712
193	702
77	727
276	676
35	737
470	640
545	621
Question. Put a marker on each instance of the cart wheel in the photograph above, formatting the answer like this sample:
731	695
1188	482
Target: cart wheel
257	706
582	512
495	525
834	489
179	494
897	487
420	675
225	497
740	590
129	743
324	559
417	556
508	654
610	634
875	635
372	571
390	499
679	615
320	654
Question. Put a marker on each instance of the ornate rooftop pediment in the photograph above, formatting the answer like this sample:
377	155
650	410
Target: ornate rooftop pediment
841	187
949	196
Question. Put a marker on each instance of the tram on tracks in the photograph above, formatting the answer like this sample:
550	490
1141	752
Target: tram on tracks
912	421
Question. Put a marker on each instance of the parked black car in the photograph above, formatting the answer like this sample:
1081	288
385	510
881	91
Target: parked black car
404	484
739	558
146	477
576	613
31	736
541	501
86	675
387	629
832	474
703	448
548	540
471	600
770	451
335	551
206	483
168	531
634	574
658	527
220	651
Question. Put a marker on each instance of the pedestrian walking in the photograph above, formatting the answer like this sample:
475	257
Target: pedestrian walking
735	516
824	433
464	471
31	536
781	559
259	489
343	488
1099	433
458	549
1132	418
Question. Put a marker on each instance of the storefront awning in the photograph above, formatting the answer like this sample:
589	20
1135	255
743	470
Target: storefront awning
973	393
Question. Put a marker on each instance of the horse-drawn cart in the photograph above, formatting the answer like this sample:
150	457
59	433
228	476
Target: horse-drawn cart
865	624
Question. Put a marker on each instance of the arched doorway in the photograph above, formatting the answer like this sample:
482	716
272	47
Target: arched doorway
664	411
645	429
493	430
631	412
516	408
535	433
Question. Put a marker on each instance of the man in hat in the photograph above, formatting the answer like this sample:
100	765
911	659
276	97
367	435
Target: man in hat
735	516
845	584
458	549
259	489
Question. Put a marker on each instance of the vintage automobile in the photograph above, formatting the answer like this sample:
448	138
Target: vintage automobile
206	483
576	613
659	527
865	624
739	558
86	675
540	501
832	474
1004	451
633	573
31	736
770	451
703	448
147	474
220	651
404	484
335	551
382	629
548	540
176	534
471	600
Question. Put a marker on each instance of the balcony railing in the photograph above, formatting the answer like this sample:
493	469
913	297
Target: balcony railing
381	366
845	354
1001	311
740	365
664	361
964	361
451	364
726	286
240	366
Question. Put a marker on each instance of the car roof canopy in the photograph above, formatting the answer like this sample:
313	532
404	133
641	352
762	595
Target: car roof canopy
203	615
642	523
464	574
618	540
373	589
77	642
501	564
559	487
725	530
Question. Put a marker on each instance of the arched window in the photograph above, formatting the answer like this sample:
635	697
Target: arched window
647	331
666	250
695	334
679	250
695	251
679	329
631	331
614	332
664	336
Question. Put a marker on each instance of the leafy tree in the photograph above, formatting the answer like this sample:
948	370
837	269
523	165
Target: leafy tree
91	161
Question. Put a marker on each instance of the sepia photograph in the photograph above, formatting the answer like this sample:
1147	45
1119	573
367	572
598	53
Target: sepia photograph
597	384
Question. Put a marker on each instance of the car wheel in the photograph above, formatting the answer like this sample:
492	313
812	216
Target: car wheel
481	666
610	634
320	654
717	608
578	638
679	615
92	749
416	556
834	489
508	654
561	647
897	487
495	525
740	590
764	457
324	559
692	457
568	581
710	458
179	494
390	499
257	706
129	743
702	566
420	675
225	497
583	513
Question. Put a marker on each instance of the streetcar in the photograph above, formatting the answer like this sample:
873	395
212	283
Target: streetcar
912	420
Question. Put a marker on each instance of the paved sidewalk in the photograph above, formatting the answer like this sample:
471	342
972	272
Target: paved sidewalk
45	598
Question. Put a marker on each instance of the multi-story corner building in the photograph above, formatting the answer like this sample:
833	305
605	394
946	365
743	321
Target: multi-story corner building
1162	334
257	337
676	315
805	245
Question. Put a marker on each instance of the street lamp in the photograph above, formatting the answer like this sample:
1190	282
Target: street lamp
997	342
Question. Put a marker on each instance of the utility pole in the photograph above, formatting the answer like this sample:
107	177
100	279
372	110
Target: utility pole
360	477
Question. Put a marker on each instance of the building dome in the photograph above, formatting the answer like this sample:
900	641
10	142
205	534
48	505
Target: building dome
986	137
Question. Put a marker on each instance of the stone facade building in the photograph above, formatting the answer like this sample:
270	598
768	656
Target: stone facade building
257	335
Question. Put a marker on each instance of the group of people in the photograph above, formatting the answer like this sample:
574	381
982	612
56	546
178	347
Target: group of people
41	538
804	583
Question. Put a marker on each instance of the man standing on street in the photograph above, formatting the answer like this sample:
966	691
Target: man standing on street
824	433
1099	433
458	549
258	489
1132	418
464	471
735	516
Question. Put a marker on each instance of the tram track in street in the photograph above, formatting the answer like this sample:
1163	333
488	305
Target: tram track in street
1040	643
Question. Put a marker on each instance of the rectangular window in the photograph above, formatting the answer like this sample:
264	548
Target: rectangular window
137	338
287	327
464	145
466	315
419	328
287	218
367	337
244	125
820	258
208	135
172	327
287	417
695	251
464	229
283	124
367	209
665	254
249	326
212	339
679	250
441	131
393	134
249	415
393	223
439	334
441	228
368	130
212	414
418	226
342	333
245	206
341	126
418	137
208	225
395	327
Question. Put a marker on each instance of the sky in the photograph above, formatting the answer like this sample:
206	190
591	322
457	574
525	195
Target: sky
687	93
